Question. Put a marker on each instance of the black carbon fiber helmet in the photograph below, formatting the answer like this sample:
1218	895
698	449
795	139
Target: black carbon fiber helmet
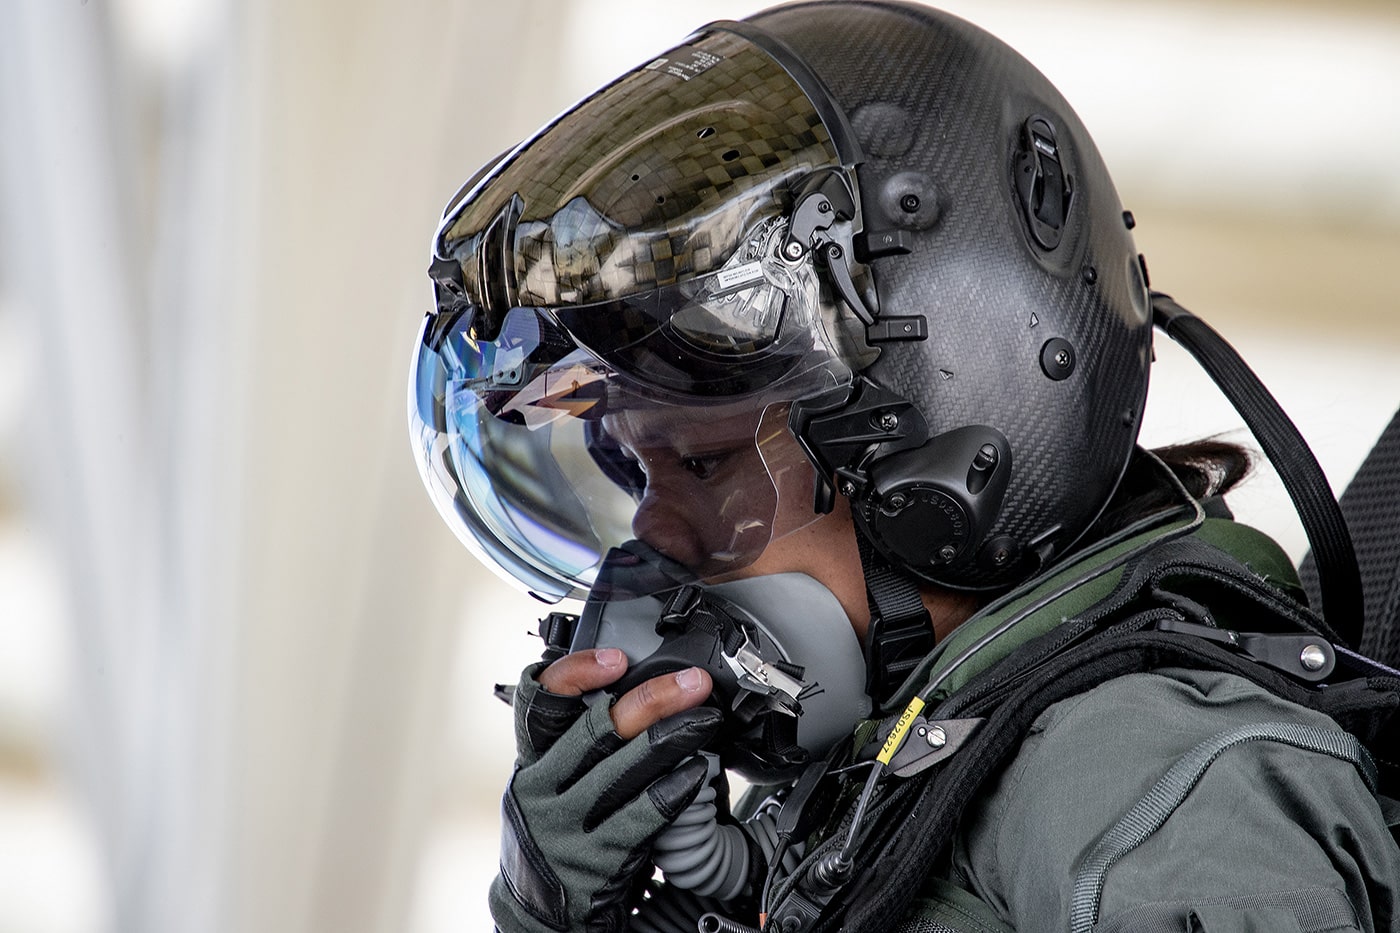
1021	266
869	228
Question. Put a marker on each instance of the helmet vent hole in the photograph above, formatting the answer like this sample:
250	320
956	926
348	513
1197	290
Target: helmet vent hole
705	133
731	155
636	178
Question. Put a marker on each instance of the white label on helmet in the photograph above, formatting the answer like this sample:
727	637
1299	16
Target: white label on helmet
738	277
686	63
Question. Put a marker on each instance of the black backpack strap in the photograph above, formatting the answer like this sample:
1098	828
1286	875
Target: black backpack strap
1371	506
1306	484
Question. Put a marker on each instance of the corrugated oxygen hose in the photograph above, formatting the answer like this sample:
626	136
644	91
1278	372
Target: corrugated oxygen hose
705	861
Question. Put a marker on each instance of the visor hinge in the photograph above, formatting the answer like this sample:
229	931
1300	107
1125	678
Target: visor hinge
824	199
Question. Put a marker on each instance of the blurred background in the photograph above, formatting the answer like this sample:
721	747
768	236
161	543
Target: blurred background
245	671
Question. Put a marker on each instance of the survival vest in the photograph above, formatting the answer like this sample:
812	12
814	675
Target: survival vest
1179	591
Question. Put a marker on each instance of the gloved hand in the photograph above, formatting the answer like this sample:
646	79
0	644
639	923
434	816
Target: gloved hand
593	787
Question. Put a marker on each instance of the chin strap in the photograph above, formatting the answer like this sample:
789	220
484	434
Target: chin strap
901	631
1338	576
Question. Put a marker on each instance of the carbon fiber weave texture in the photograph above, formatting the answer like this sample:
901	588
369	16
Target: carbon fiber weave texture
938	107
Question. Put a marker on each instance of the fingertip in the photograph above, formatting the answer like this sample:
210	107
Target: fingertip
693	680
583	671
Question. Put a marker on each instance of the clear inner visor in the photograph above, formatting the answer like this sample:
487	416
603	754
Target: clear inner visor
558	457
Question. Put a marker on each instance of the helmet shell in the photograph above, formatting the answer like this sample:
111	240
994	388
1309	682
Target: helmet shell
1049	345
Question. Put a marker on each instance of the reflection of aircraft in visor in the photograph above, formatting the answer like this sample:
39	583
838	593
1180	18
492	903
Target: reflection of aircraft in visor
558	392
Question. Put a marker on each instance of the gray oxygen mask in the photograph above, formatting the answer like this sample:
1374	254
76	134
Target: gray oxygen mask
788	670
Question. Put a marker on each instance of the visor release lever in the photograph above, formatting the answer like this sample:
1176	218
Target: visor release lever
841	275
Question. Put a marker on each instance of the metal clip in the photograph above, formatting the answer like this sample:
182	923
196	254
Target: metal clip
1305	656
930	741
759	676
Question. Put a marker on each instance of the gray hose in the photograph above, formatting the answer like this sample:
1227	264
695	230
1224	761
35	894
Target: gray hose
700	855
711	859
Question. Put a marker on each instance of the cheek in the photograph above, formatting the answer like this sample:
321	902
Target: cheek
704	528
824	550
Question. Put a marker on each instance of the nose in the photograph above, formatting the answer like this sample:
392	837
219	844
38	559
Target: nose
661	522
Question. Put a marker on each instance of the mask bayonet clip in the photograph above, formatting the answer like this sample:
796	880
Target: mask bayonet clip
753	672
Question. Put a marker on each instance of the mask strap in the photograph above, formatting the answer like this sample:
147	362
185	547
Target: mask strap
901	631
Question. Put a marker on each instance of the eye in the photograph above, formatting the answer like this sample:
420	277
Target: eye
703	466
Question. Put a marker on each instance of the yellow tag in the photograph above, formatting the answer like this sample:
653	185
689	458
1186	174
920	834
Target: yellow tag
896	737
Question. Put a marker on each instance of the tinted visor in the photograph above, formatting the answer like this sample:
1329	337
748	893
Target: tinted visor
617	334
653	181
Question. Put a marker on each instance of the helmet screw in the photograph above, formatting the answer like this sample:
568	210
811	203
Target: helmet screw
947	552
1313	658
898	500
888	421
909	204
848	488
1057	358
1090	274
793	250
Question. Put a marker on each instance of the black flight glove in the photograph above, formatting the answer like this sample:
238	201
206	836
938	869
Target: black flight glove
583	807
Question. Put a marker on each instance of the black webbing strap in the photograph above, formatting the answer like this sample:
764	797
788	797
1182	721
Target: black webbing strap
1371	504
901	632
1339	578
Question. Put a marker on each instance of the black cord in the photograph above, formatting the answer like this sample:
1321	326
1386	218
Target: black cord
1339	577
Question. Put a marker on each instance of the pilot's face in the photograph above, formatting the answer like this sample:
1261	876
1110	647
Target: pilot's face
728	494
709	502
